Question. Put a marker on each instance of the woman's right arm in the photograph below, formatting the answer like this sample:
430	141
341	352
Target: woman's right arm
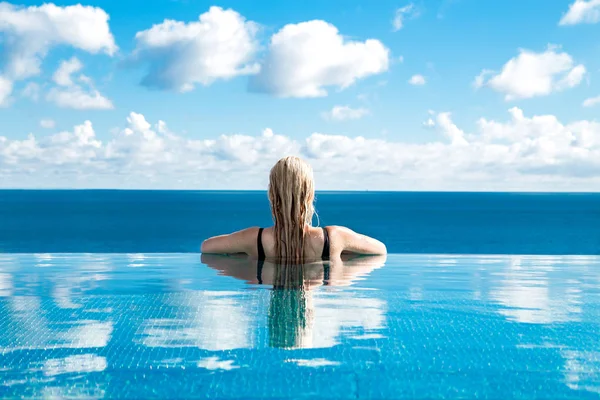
353	242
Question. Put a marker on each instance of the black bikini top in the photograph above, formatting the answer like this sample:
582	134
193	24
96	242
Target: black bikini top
261	250
261	255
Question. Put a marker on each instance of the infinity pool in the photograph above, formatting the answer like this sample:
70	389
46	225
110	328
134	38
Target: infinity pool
409	326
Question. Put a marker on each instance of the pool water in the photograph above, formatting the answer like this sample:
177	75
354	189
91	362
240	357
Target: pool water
405	326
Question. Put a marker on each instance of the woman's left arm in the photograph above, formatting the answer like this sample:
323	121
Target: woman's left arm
237	242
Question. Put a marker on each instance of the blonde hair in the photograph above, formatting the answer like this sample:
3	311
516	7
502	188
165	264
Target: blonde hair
291	194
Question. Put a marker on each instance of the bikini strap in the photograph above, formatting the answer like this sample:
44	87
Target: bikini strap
325	255
261	256
259	245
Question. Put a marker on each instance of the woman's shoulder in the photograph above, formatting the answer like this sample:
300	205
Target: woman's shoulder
247	234
338	229
249	231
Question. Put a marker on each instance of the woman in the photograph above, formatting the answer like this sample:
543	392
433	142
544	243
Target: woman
292	237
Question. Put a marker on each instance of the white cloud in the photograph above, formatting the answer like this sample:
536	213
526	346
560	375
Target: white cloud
179	55
479	80
303	59
533	74
69	94
47	123
453	132
137	123
6	87
62	76
417	80
582	12
32	91
30	32
591	102
78	99
401	59
522	153
408	11
342	113
430	123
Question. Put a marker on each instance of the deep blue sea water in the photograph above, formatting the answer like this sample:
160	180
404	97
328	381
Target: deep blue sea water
177	221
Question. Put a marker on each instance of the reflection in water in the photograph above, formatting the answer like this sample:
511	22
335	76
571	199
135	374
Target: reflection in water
291	309
29	329
79	363
214	363
5	285
582	370
162	325
209	320
298	316
44	306
136	260
549	290
529	295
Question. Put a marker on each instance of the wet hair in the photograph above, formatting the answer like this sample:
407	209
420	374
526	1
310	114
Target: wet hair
291	194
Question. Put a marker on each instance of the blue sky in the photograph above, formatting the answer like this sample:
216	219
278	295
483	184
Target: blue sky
409	129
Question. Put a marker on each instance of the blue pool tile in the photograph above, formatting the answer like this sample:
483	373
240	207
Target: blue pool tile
412	326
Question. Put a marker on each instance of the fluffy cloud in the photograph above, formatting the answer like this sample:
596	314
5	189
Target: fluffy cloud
47	123
408	11
591	102
582	12
342	113
79	99
430	123
417	80
69	94
6	87
32	91
30	32
522	153
453	132
179	55
533	74
303	59
62	76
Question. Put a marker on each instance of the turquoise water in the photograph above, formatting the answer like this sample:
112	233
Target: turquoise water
409	326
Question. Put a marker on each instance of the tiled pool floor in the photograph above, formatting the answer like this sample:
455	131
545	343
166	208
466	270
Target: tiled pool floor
409	326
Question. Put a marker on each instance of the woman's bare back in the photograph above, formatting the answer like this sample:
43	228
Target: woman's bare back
341	240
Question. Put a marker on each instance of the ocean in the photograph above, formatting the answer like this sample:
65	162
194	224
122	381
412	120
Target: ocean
122	221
